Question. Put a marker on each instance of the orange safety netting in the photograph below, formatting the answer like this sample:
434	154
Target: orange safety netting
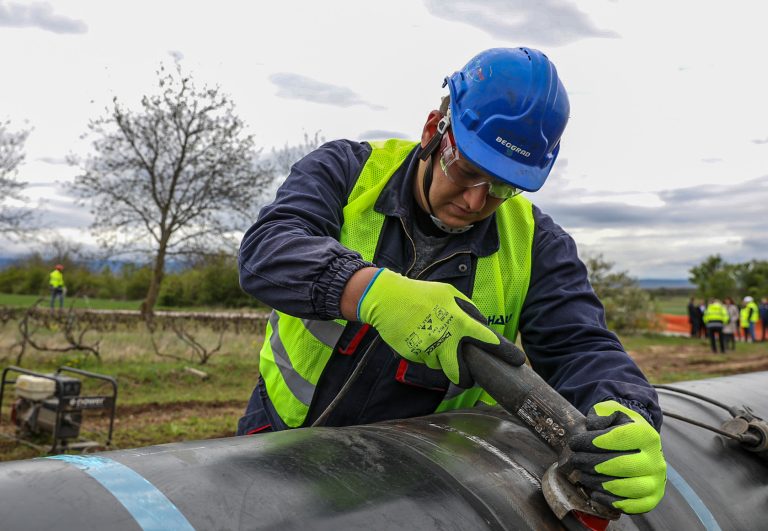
680	324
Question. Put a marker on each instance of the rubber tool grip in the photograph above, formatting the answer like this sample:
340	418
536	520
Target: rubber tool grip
526	395
547	414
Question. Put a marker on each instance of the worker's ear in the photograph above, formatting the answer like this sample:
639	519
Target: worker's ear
430	127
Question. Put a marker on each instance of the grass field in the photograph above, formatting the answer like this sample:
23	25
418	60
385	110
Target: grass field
666	359
159	401
672	304
25	301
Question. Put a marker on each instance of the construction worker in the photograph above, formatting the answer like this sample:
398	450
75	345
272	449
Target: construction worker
748	317
58	289
398	246
763	309
715	317
732	325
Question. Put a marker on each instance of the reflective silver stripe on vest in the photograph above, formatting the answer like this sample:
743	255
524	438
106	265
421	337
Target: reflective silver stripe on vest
326	332
299	387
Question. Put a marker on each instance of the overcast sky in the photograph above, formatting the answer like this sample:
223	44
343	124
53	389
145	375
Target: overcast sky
664	161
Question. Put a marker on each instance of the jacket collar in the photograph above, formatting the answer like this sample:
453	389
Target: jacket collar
396	200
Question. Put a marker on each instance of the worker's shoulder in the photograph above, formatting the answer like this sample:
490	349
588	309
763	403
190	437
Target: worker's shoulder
546	230
346	150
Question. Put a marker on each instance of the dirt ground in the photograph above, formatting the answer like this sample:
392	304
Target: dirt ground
141	425
658	362
137	426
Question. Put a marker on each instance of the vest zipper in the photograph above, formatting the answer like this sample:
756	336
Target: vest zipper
413	246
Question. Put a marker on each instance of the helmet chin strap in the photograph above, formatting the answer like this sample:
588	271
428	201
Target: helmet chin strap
426	182
445	228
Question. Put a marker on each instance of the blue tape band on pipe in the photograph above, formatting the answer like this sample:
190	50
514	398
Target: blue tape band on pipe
698	506
151	509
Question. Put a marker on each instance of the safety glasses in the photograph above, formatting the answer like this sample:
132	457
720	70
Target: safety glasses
464	175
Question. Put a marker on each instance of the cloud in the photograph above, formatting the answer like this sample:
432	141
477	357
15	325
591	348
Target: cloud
38	15
711	160
53	185
727	206
760	141
64	214
298	87
54	160
176	54
547	22
381	134
688	224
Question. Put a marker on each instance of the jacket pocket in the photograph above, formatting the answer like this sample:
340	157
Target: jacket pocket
419	375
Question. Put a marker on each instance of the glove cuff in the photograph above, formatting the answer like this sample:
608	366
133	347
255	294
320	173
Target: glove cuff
636	406
365	292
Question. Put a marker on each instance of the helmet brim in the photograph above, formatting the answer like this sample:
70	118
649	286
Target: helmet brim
496	163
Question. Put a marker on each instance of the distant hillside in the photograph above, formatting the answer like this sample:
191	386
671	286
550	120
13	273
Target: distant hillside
674	283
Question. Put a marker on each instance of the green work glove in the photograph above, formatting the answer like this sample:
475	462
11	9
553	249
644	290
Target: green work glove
428	322
619	458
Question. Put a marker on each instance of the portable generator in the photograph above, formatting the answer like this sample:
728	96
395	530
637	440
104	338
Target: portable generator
51	405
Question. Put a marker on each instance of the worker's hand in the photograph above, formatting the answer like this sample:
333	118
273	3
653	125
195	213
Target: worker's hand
619	458
427	322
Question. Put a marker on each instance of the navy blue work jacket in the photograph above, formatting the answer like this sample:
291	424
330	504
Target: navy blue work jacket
291	260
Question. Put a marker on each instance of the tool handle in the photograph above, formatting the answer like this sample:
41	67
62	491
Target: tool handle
545	412
526	395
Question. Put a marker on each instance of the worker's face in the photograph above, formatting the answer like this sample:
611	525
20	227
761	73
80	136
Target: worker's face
456	206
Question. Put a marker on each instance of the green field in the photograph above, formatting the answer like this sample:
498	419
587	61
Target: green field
160	401
25	301
672	304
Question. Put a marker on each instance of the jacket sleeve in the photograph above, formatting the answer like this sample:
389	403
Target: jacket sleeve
291	259
564	334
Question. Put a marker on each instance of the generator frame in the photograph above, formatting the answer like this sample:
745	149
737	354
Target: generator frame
78	403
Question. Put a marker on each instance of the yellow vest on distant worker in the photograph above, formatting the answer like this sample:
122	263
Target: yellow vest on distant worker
715	312
745	318
56	279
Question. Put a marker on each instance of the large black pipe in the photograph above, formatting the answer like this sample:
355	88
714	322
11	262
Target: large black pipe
472	469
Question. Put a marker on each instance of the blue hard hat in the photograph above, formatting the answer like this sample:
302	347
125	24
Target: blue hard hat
508	111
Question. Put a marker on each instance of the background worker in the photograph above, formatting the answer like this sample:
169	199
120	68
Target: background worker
715	318
764	315
748	318
407	243
702	326
732	325
56	282
694	317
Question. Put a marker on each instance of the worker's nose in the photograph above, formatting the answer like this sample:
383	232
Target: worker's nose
476	197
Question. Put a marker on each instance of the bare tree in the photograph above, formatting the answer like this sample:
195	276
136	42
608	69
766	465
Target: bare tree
282	160
12	219
177	176
287	156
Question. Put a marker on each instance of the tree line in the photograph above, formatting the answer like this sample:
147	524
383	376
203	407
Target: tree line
715	277
209	281
212	281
